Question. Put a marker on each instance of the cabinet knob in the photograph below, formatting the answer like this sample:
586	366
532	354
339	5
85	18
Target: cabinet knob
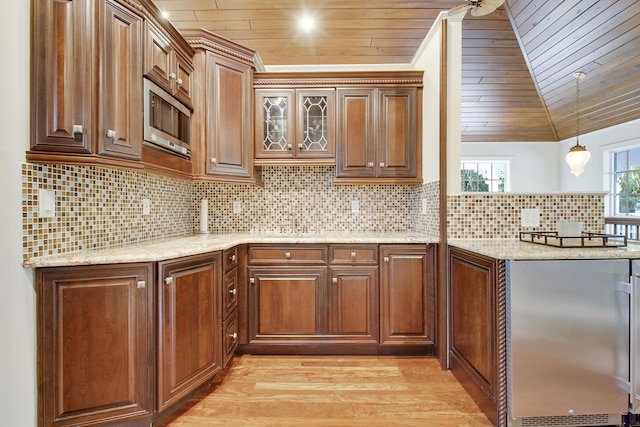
385	259
168	280
381	164
214	160
172	76
111	134
370	164
179	82
334	280
142	284
300	147
353	256
287	255
232	258
233	335
78	129
289	147
232	291
252	281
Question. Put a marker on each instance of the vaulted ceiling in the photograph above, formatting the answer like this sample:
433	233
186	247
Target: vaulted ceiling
517	63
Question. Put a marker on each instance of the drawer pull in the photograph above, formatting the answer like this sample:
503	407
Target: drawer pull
168	281
232	258
233	291
233	335
353	256
287	255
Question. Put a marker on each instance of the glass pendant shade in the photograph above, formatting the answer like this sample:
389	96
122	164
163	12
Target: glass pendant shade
577	158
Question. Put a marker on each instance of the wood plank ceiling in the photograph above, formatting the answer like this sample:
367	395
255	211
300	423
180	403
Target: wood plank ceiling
518	62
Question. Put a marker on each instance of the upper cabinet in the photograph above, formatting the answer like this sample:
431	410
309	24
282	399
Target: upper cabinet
295	125
86	80
222	129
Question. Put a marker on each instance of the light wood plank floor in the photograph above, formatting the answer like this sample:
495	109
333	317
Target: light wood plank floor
372	391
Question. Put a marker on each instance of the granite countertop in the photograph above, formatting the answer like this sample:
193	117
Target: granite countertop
516	250
194	244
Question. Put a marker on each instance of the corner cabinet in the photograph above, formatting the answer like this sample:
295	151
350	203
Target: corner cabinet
95	345
222	126
83	105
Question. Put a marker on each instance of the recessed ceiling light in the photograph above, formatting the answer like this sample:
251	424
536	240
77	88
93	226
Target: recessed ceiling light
306	23
165	14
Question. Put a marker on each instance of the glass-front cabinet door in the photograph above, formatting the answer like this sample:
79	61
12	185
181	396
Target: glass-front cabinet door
315	133
295	124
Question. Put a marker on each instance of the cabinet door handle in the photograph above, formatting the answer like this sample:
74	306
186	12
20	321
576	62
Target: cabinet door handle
233	335
370	164
385	259
287	255
232	291
179	82
78	129
232	258
353	256
168	280
142	284
214	160
289	147
111	134
381	164
300	147
334	280
252	281
172	76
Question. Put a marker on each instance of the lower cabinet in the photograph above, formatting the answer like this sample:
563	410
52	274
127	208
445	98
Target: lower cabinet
476	327
189	324
337	299
407	301
95	344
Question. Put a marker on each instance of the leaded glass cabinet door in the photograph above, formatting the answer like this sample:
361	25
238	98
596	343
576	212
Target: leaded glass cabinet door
315	137
275	123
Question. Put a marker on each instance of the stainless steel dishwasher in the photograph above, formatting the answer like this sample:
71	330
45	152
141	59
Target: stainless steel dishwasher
568	342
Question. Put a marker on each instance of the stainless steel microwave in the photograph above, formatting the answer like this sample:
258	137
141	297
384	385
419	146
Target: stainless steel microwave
166	121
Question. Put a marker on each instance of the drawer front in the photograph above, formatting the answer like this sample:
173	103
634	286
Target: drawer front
230	289
230	338
288	254
353	254
230	258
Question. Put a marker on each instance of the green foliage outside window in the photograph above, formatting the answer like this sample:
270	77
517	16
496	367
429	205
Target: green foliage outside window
629	191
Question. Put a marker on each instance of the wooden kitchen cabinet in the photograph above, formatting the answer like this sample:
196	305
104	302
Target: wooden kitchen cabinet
222	126
477	298
378	132
166	66
407	300
230	295
295	125
95	345
190	348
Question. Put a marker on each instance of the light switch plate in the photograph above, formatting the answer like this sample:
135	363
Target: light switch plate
237	206
355	206
146	207
424	206
530	217
46	203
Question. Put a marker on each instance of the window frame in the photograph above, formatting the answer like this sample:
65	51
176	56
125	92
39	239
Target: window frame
492	160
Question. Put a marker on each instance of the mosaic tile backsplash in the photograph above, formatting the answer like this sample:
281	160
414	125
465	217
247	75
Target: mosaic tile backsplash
99	207
498	216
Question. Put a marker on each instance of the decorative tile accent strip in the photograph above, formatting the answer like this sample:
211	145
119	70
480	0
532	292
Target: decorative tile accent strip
98	207
497	216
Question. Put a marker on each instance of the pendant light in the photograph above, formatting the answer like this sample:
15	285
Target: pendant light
578	156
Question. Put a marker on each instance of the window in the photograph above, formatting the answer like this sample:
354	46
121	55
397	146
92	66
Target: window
488	176
624	182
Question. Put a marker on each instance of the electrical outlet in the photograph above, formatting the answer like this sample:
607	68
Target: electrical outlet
355	206
530	217
146	207
237	206
46	203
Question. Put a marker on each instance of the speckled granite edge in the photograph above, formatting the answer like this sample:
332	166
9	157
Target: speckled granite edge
514	249
194	244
